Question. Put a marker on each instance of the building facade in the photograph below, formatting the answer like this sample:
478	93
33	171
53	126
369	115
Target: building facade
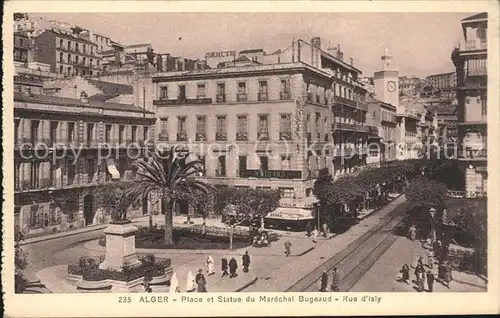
443	81
58	160
470	60
270	125
384	118
68	51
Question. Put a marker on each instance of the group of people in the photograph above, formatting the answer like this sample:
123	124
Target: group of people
334	286
260	240
422	275
313	232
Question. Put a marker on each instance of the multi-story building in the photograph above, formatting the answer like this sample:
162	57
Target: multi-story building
22	47
252	125
58	160
410	85
68	51
383	116
29	78
443	81
470	60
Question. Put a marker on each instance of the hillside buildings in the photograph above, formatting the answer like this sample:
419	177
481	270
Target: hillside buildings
470	60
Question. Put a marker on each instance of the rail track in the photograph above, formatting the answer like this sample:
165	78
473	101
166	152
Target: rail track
357	257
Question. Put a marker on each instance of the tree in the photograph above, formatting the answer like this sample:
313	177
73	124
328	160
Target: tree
20	16
171	176
428	194
240	205
21	284
114	197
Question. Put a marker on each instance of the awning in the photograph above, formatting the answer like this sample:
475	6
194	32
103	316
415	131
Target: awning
296	214
115	174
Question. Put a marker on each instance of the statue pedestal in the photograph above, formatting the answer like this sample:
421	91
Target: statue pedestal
120	247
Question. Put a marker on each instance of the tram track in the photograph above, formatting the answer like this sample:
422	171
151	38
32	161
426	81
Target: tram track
357	257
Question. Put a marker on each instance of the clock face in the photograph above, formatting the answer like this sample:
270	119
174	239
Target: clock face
391	86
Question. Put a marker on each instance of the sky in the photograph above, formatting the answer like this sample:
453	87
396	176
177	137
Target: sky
420	43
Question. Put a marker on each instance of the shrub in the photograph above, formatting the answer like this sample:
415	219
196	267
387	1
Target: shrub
148	259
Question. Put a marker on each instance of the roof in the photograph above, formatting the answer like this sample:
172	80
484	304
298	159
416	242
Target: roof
59	32
64	101
137	45
242	59
479	16
371	99
101	97
109	88
251	51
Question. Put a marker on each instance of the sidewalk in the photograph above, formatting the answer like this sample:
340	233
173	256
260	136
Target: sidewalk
281	276
382	276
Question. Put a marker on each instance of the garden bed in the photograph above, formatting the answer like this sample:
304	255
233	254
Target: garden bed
88	268
191	238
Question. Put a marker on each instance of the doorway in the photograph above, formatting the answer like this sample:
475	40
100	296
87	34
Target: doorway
88	209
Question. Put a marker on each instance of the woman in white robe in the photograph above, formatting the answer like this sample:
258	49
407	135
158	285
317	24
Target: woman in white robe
174	284
210	265
190	283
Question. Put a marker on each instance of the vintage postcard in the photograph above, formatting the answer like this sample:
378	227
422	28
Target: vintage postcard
182	158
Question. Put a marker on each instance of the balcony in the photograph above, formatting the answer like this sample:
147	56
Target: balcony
268	174
182	136
285	136
263	136
221	136
474	154
345	101
34	185
182	101
472	45
241	97
285	96
479	71
221	98
242	136
201	136
263	96
350	127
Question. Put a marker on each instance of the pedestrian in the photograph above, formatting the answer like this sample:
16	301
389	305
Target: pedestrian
288	245
444	252
324	230
430	281
420	261
418	269
335	280
430	259
436	248
190	283
324	281
413	232
315	235
224	266
210	266
405	271
447	276
146	282
174	284
420	280
309	228
201	282
233	266
246	262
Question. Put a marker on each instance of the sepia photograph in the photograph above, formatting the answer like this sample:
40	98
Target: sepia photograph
249	152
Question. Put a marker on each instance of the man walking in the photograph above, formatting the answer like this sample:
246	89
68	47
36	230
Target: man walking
288	245
324	281
246	262
224	267
430	259
233	266
430	281
335	280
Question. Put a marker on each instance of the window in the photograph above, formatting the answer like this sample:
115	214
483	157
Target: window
285	89
286	127
286	192
84	60
285	163
90	133
77	47
242	128
35	124
264	163
76	58
134	133
36	216
164	92
308	192
107	133
263	96
200	92
69	45
17	173
84	48
69	58
121	133
35	174
242	88
221	167
221	128
71	132
201	126
90	170
263	128
61	57
182	92
163	129
242	163
221	92
71	173
181	129
61	43
53	132
145	133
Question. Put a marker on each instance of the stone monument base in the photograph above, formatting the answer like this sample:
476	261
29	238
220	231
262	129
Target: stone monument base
120	247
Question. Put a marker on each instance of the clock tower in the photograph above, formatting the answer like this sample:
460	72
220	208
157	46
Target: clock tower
386	81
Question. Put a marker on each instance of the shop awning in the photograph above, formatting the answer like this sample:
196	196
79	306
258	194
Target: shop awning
297	214
115	174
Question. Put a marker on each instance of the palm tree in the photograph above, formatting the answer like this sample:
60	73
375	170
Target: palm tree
171	176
